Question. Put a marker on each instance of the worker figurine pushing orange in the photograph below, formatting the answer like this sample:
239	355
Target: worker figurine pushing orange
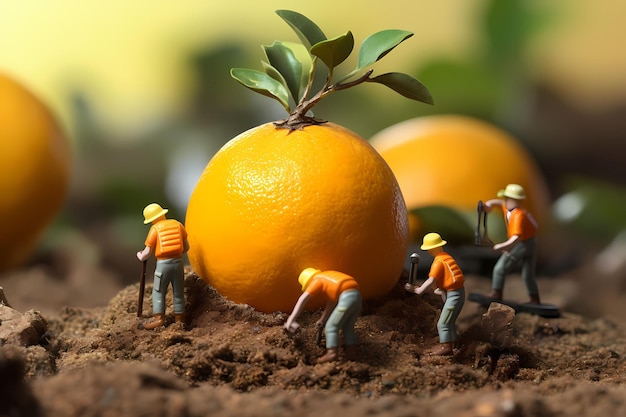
167	240
342	310
449	280
519	250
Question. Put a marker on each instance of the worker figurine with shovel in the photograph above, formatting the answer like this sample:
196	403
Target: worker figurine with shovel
167	240
449	281
343	308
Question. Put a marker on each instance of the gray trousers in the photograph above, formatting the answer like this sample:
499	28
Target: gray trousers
446	326
523	255
169	271
343	317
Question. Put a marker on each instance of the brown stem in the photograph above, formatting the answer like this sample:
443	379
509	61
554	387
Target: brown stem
298	119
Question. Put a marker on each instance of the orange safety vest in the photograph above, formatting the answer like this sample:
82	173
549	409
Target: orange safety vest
519	222
167	238
447	272
331	284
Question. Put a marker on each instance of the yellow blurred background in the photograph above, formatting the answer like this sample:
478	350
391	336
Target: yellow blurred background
131	56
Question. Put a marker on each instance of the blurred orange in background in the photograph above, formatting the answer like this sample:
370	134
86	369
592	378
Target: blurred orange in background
35	163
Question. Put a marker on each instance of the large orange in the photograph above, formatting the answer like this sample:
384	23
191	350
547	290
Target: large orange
454	161
34	170
272	202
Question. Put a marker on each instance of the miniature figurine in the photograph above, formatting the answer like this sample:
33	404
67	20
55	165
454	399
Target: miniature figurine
449	279
520	249
342	310
167	240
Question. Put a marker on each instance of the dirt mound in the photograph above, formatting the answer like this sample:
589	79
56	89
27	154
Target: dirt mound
230	358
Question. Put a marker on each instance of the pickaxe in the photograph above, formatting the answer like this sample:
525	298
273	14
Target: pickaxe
481	239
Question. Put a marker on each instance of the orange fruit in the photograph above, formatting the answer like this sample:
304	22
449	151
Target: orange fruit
272	202
34	170
454	161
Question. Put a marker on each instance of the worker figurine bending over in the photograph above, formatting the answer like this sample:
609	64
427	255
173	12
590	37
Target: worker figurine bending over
167	240
520	248
449	281
342	310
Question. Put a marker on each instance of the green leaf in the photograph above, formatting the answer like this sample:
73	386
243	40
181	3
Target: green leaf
592	207
308	32
380	44
285	62
406	85
454	225
334	51
306	60
273	72
262	83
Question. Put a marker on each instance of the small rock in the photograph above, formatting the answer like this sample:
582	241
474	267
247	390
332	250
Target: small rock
20	329
497	325
3	298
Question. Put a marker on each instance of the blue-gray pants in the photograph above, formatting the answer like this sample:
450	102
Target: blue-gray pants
343	317
446	326
169	271
523	254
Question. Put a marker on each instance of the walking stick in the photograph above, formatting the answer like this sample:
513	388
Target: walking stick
142	287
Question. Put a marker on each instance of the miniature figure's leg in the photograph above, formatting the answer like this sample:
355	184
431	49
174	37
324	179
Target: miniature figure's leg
446	326
178	286
343	317
529	268
158	291
354	304
505	264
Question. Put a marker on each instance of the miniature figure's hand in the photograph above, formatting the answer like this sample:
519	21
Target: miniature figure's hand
320	323
291	326
500	247
408	287
144	254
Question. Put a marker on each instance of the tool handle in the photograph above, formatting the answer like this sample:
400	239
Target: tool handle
142	287
415	258
318	335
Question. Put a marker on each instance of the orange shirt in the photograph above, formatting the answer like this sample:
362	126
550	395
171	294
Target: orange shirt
446	272
519	222
331	284
167	238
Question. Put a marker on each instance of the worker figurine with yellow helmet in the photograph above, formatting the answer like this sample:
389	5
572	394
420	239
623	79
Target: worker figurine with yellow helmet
520	248
167	240
449	280
342	310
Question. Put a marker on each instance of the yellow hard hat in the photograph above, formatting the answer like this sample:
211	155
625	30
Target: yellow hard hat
152	212
432	240
306	275
514	191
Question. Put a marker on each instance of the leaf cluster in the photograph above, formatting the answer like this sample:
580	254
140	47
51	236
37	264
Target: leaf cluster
288	74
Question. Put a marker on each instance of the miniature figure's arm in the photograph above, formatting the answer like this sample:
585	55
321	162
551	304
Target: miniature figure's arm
424	286
507	244
330	306
185	246
489	204
291	325
144	254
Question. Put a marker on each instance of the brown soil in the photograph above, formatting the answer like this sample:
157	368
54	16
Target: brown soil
232	360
